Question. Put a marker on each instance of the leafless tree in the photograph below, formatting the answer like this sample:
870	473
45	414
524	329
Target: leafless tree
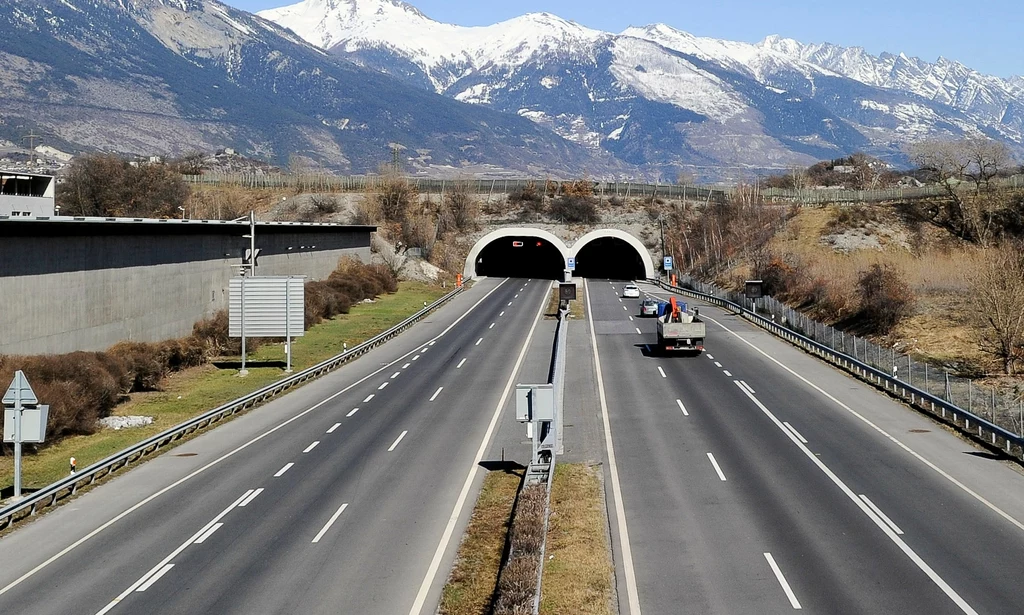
192	163
987	158
998	290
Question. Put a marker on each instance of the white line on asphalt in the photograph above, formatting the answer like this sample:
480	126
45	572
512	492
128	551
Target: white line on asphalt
914	557
416	358
517	296
395	444
208	533
173	554
406	366
882	515
884	433
368	397
620	300
510	303
432	343
682	407
436	393
638	332
795	432
782	581
156	577
334	427
311	446
330	522
230	454
632	597
461	363
383	386
727	373
743	383
395	375
502	314
424	349
453	519
625	308
492	326
662	372
252	496
717	468
717	364
281	472
354	410
478	341
710	357
631	319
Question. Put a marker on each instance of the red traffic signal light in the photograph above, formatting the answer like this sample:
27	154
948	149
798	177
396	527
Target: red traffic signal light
517	244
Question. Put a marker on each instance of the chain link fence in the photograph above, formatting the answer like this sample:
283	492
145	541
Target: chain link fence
1002	405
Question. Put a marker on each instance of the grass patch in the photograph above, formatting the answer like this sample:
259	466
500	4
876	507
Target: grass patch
191	392
578	572
470	586
577	309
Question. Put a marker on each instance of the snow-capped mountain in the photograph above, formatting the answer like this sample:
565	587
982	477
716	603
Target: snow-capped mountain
168	76
665	99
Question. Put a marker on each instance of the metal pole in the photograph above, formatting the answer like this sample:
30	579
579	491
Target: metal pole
17	439
970	396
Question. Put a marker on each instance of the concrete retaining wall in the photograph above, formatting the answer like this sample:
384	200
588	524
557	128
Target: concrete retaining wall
85	285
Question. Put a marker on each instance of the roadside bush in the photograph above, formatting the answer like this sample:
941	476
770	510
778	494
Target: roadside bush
885	298
575	210
525	195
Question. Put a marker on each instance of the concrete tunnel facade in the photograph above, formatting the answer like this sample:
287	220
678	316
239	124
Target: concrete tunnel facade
556	248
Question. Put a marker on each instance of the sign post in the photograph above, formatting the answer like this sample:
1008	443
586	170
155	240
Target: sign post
19	395
667	265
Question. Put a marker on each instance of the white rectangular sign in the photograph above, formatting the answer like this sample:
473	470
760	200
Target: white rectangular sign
274	306
33	424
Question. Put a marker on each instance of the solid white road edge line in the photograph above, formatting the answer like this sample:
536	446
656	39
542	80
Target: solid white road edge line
335	426
882	515
250	498
782	581
330	522
795	432
718	469
453	519
281	472
395	445
914	557
311	446
231	453
173	554
743	383
977	496
208	533
156	577
436	393
682	407
632	596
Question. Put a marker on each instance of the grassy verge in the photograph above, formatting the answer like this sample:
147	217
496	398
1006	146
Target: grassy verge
577	310
470	587
578	572
192	392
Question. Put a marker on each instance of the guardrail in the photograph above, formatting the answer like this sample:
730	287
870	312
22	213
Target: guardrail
938	407
63	488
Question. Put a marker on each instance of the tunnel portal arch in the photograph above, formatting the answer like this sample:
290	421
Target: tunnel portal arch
643	265
554	249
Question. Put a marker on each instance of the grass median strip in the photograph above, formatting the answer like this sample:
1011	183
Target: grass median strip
471	584
190	393
577	310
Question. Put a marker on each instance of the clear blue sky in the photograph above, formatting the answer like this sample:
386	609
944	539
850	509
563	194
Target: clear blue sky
985	35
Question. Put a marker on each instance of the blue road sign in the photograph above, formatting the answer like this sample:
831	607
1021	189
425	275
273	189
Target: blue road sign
570	263
668	263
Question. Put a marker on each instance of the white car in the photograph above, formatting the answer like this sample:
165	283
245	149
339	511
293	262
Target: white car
631	290
649	307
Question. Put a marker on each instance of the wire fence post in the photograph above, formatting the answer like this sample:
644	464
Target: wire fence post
970	395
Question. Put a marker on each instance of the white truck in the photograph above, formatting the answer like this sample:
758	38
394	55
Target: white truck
680	330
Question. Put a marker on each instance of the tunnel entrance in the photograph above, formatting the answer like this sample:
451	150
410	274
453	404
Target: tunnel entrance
520	257
611	258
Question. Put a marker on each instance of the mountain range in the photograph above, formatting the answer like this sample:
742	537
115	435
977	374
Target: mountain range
341	84
666	101
162	77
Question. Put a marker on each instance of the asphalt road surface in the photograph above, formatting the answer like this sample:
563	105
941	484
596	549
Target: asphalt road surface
346	496
754	479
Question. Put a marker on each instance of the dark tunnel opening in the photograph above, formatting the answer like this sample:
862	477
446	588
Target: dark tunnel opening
611	258
520	257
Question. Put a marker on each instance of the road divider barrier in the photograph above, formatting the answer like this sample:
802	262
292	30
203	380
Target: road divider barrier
50	495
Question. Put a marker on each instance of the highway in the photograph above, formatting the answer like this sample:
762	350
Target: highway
348	495
755	479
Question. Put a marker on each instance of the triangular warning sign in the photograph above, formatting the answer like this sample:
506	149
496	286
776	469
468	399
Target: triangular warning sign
20	383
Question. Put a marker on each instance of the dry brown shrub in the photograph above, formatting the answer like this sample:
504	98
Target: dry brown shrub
885	298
